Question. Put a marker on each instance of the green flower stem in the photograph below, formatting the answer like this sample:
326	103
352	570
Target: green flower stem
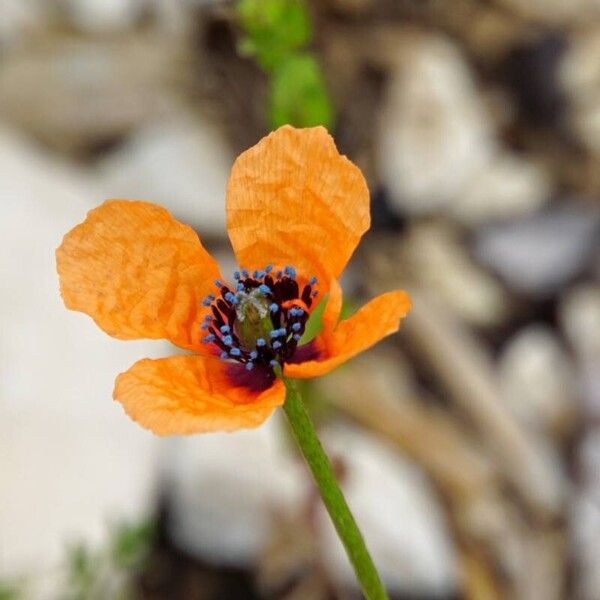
332	496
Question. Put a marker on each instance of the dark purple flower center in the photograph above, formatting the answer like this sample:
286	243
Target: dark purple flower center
258	323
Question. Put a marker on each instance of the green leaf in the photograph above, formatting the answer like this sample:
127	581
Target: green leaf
274	29
82	571
349	307
131	544
315	321
298	95
9	591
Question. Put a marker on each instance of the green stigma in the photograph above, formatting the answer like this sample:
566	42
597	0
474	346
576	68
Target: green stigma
253	317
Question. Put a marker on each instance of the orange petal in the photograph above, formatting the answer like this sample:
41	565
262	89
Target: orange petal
380	317
137	272
293	199
192	394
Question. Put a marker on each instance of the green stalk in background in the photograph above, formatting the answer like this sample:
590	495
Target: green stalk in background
277	34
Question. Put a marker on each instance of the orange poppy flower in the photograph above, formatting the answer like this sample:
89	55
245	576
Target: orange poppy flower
296	210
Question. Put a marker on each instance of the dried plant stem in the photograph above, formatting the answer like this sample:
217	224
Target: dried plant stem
332	495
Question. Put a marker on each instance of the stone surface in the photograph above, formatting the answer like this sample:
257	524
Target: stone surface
104	16
509	186
584	515
437	149
226	489
556	12
537	380
182	163
539	255
433	134
580	78
19	18
74	92
436	258
70	460
395	507
584	519
580	318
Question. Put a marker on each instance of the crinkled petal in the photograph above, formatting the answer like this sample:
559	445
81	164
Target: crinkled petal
137	272
192	394
377	319
294	199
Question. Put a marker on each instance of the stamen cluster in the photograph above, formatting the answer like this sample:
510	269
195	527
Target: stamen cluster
261	320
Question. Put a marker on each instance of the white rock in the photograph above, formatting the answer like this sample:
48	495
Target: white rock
584	520
434	135
579	313
436	257
182	163
538	255
580	318
226	489
103	16
557	11
19	18
590	388
73	92
585	517
537	380
395	506
508	187
589	462
437	150
580	78
70	460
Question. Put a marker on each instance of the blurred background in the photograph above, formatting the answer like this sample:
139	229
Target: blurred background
468	444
